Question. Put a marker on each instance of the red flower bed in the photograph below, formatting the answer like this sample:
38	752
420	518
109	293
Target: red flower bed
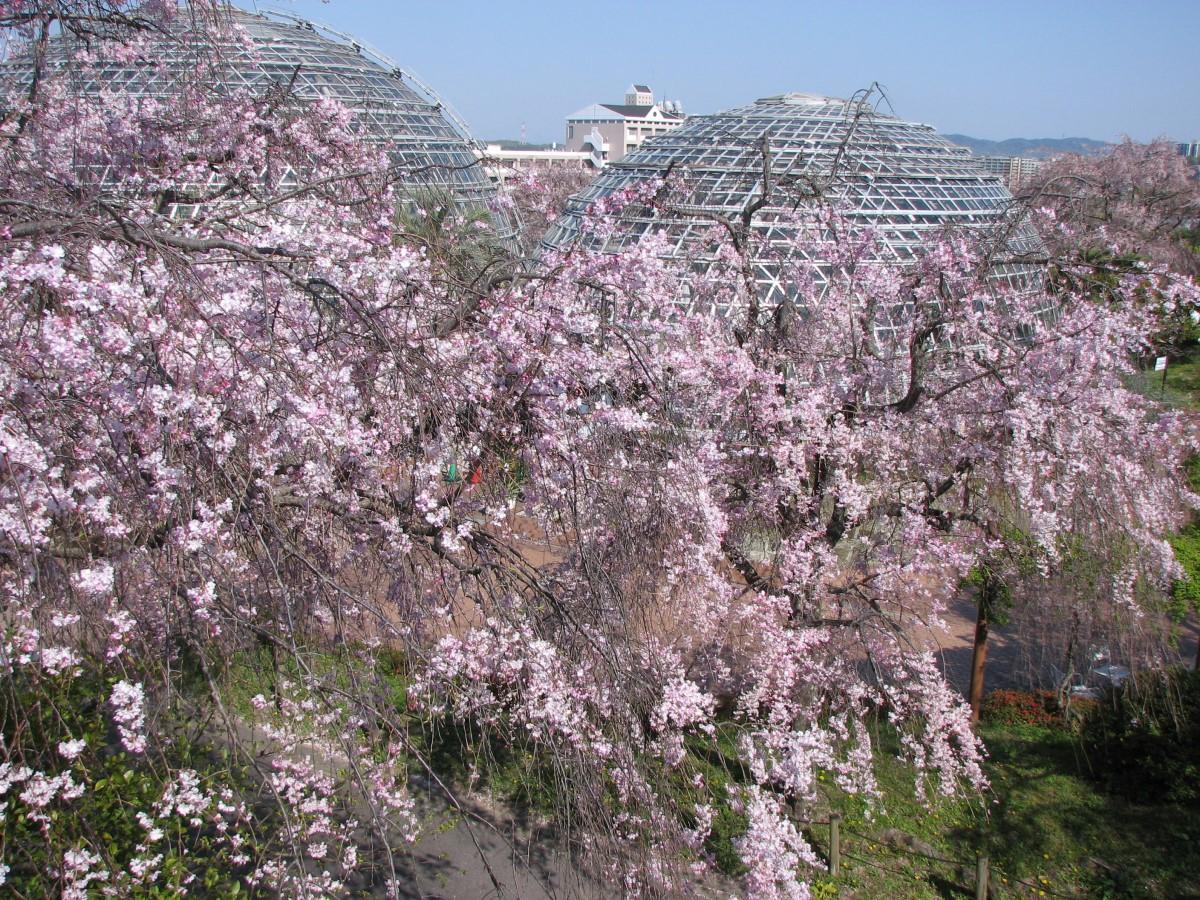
1022	708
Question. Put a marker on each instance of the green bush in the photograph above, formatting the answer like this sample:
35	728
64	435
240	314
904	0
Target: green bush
1143	740
37	714
1186	591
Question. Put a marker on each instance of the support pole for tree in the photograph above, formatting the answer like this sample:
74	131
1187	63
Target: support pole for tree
981	878
835	843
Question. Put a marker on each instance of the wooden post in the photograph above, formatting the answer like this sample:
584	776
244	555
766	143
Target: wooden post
835	843
981	878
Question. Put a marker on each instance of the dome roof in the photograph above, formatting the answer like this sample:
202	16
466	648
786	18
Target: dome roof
900	178
424	138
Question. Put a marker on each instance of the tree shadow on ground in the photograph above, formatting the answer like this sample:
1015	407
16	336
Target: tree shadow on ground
1047	815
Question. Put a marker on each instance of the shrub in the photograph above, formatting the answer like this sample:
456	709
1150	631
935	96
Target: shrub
1144	739
1186	591
1039	708
80	813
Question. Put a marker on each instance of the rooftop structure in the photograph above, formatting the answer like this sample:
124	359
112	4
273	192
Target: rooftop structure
900	178
428	144
611	130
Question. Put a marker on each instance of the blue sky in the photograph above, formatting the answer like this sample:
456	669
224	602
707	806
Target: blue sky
1056	68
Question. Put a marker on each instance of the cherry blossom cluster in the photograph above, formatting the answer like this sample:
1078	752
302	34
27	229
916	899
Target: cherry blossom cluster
293	435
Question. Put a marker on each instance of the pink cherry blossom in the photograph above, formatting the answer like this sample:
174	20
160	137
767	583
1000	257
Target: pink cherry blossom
536	504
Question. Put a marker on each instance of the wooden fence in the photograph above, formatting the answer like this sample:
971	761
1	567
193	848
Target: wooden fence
983	873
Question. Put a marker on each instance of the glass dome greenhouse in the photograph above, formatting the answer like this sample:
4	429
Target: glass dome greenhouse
899	178
429	146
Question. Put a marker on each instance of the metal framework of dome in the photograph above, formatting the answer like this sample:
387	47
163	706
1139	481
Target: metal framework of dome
901	178
428	143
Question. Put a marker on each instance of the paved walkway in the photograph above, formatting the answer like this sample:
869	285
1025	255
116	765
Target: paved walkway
476	853
1014	662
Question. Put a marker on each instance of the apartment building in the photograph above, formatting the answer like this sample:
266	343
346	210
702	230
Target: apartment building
611	130
1014	171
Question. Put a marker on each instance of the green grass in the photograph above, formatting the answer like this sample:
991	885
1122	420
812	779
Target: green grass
1183	378
1091	842
1047	828
1182	388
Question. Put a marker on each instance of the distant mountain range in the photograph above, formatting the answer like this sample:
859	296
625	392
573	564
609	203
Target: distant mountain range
1031	148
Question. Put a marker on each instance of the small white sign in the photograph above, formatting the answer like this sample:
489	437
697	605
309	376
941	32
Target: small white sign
1160	364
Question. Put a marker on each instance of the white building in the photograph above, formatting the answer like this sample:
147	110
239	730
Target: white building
611	130
501	164
1014	171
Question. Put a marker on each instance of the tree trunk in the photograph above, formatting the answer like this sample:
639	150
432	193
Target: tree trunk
979	653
